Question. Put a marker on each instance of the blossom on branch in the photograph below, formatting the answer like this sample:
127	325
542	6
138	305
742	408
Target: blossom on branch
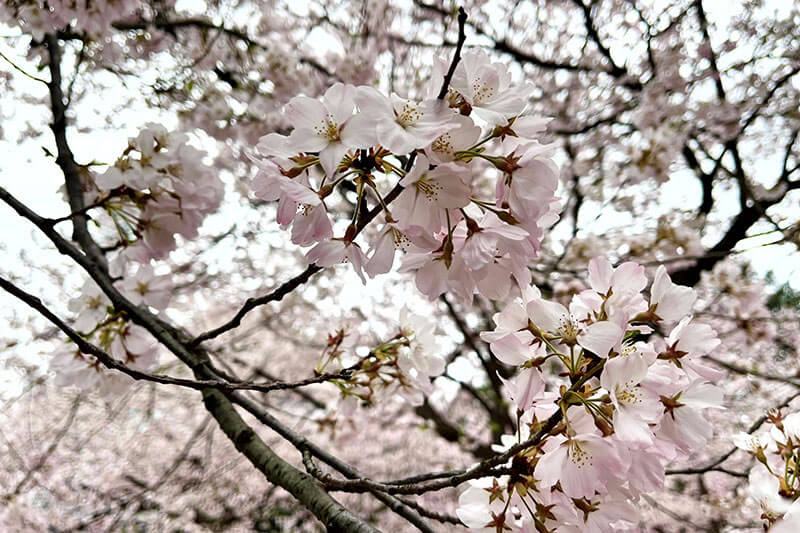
644	407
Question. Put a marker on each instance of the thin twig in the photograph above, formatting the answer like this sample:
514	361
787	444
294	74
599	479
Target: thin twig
714	464
17	67
485	468
109	362
462	36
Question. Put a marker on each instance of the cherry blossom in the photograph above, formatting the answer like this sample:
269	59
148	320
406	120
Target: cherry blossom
444	148
615	434
146	287
422	352
525	388
323	127
670	300
362	138
91	307
634	406
582	463
487	88
427	194
603	384
402	125
336	251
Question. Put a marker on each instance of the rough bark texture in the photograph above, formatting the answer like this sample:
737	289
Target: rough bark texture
301	485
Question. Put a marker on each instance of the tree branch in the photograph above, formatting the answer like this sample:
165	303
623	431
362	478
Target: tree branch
109	362
592	33
712	58
170	25
498	412
277	471
454	478
302	486
462	20
65	159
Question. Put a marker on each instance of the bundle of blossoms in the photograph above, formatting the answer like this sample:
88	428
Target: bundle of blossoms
400	367
602	403
774	481
157	189
470	189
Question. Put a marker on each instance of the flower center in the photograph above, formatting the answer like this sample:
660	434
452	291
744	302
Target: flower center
580	458
94	303
569	329
629	394
409	115
328	129
430	189
481	92
400	240
443	145
627	349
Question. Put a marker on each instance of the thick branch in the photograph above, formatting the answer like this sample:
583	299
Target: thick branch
65	159
737	231
306	446
304	488
109	362
706	180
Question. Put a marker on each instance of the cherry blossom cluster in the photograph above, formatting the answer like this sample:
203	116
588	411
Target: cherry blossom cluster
158	188
98	323
613	388
774	481
659	138
478	189
403	365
